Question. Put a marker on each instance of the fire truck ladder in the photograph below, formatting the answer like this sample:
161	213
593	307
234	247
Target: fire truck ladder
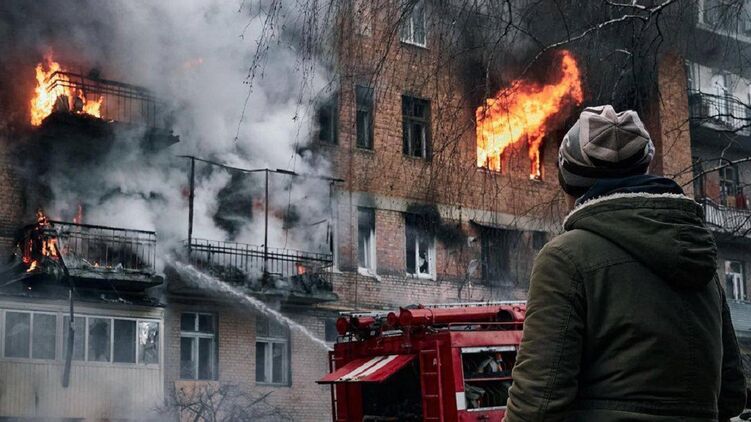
430	381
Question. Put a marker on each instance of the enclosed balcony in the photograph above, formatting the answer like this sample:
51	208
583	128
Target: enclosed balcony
722	113
297	276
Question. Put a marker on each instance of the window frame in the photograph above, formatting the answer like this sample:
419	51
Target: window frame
408	120
61	332
31	335
371	256
286	341
329	104
407	33
732	182
412	220
361	106
195	337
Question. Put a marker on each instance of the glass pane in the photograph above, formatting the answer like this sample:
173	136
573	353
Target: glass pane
188	322
187	362
79	331
99	339
277	369
260	362
277	329
418	23
205	358
45	339
365	229
125	341
423	261
205	323
148	342
17	334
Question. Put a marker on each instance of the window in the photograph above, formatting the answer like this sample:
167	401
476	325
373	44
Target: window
364	122
30	335
366	238
272	352
415	131
331	334
412	30
700	178
728	186
96	338
487	375
328	127
735	280
497	245
197	346
420	247
719	104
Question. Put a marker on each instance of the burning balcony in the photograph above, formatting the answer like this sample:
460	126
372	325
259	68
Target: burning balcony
723	113
272	272
726	219
91	256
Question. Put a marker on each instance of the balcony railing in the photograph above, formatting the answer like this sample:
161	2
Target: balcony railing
263	269
734	221
121	102
725	113
89	248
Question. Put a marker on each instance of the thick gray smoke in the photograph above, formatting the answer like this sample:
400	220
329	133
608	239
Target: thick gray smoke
240	84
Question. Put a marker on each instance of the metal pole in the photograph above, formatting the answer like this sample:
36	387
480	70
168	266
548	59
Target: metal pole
266	227
191	197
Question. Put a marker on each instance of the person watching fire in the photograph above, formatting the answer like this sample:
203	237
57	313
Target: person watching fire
626	318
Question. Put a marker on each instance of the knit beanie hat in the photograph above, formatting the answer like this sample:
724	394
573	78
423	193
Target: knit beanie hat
603	144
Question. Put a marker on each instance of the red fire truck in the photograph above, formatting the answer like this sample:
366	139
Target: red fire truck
425	363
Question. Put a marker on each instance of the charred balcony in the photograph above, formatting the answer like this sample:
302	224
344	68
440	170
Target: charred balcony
298	276
90	256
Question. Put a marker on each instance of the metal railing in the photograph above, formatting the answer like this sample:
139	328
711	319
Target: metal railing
121	102
735	221
243	263
727	112
89	247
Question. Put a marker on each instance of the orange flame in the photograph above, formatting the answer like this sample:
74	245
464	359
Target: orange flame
521	112
44	99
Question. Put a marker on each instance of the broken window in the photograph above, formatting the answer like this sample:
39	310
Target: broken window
366	238
197	346
420	247
364	123
328	117
148	342
79	331
99	339
735	280
412	29
124	350
415	130
331	334
30	335
272	351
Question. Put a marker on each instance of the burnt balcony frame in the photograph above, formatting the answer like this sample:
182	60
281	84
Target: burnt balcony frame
133	104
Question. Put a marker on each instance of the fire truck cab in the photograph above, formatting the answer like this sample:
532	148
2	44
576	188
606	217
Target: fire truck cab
426	363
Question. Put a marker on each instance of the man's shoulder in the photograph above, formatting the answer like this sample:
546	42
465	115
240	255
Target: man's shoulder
583	247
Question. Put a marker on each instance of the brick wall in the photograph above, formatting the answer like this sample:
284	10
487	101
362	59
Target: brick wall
303	400
11	198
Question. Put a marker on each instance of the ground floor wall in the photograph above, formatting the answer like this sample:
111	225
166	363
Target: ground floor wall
734	261
32	362
237	349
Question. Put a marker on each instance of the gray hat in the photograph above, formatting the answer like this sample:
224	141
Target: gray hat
603	144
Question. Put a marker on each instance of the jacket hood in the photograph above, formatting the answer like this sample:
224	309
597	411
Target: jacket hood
663	230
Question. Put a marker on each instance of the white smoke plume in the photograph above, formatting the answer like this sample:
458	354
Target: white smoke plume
240	82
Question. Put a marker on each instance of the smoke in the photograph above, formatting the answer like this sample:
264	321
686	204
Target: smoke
239	84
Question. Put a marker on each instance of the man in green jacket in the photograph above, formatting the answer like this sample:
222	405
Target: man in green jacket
626	317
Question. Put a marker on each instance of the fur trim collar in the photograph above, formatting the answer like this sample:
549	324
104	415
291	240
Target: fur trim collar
613	196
